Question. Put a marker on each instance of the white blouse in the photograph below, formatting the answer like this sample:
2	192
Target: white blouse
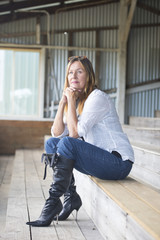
99	125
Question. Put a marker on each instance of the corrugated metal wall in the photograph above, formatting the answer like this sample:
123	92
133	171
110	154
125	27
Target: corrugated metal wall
143	103
16	31
74	28
143	63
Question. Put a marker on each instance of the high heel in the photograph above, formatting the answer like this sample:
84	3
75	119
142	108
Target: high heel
71	203
76	215
49	211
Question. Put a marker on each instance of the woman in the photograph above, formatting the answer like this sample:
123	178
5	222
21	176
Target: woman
89	139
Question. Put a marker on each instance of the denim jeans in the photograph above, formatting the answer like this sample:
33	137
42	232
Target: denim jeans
89	159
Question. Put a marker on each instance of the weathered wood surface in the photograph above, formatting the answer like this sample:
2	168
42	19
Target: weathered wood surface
16	134
143	134
27	195
147	164
144	122
157	114
6	164
121	209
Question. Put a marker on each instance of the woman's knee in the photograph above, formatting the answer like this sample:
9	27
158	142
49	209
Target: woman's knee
64	142
65	146
51	144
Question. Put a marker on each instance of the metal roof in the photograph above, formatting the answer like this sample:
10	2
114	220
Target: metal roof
11	10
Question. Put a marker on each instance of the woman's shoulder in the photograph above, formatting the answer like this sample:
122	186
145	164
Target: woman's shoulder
98	98
99	93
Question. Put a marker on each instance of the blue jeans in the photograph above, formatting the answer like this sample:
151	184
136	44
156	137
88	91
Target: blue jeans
90	159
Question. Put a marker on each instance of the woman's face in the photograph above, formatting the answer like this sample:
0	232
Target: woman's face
77	76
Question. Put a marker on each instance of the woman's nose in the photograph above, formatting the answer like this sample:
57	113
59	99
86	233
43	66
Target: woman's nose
74	74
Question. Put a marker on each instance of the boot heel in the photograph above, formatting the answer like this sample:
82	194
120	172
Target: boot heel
57	218
76	217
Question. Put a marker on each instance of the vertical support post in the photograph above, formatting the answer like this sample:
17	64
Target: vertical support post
38	31
70	43
125	20
97	59
121	64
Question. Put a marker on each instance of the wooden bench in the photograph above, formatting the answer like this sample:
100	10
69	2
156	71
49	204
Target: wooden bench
144	135
124	209
26	198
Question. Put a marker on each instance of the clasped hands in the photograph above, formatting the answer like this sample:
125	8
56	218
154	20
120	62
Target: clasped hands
70	94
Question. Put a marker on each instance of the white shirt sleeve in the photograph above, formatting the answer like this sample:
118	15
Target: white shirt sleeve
95	108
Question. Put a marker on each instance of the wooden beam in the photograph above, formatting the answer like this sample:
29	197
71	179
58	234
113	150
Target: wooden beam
97	65
50	9
69	48
129	20
125	20
70	43
25	4
148	8
26	34
38	31
121	63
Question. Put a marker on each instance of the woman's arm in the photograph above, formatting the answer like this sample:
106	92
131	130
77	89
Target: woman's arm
72	120
58	125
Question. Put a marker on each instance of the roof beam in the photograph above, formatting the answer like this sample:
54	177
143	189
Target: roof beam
51	10
148	8
25	4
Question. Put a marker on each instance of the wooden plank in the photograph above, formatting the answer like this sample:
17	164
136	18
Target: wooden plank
145	193
121	62
142	134
147	160
135	232
69	230
144	122
157	114
3	166
4	188
122	202
35	199
148	148
136	208
33	186
17	206
87	226
129	20
106	218
146	176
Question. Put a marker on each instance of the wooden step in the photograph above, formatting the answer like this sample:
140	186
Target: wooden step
27	195
144	122
157	114
6	164
121	209
147	164
143	134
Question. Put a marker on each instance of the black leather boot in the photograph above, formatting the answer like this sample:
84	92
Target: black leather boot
72	201
62	173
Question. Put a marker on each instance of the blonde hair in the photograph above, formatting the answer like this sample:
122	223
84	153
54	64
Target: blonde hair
90	83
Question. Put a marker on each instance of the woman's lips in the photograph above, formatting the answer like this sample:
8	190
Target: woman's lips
75	82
